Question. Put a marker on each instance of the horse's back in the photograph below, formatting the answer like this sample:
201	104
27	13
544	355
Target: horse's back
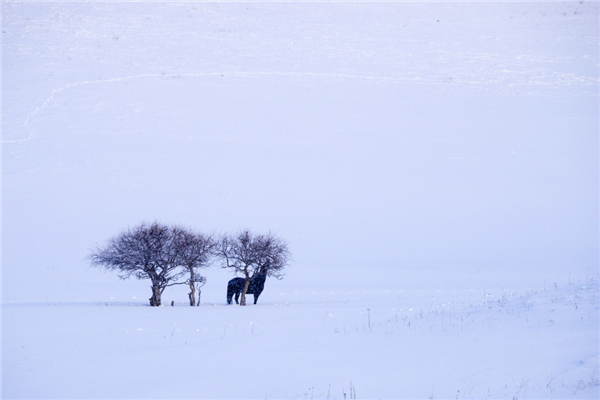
236	283
256	285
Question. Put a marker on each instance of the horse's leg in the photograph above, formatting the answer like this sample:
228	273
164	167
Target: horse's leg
258	293
229	294
237	296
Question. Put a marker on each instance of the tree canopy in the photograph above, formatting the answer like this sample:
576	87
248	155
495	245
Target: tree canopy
252	254
164	254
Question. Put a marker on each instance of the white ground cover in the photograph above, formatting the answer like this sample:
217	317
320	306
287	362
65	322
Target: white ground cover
312	344
433	166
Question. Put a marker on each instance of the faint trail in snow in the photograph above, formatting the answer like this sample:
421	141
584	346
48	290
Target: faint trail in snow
55	92
32	115
565	79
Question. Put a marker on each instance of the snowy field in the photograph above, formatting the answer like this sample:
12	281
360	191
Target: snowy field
312	344
433	166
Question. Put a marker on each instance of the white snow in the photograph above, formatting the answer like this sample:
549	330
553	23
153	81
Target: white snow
311	344
433	165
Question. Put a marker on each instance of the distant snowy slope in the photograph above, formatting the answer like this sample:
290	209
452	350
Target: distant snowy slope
396	135
482	46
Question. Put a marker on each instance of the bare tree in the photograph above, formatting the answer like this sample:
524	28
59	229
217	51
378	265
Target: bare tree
150	251
200	281
250	255
195	252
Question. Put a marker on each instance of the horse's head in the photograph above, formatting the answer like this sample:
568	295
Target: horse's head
261	276
264	269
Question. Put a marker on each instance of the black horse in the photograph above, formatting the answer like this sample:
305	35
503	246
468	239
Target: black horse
236	287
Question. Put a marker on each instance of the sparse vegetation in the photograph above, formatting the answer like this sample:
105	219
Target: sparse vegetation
251	255
161	253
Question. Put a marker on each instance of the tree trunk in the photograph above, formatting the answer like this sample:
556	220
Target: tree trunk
192	294
199	294
155	300
243	300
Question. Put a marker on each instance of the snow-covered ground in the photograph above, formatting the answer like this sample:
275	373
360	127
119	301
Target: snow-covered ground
433	166
312	344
